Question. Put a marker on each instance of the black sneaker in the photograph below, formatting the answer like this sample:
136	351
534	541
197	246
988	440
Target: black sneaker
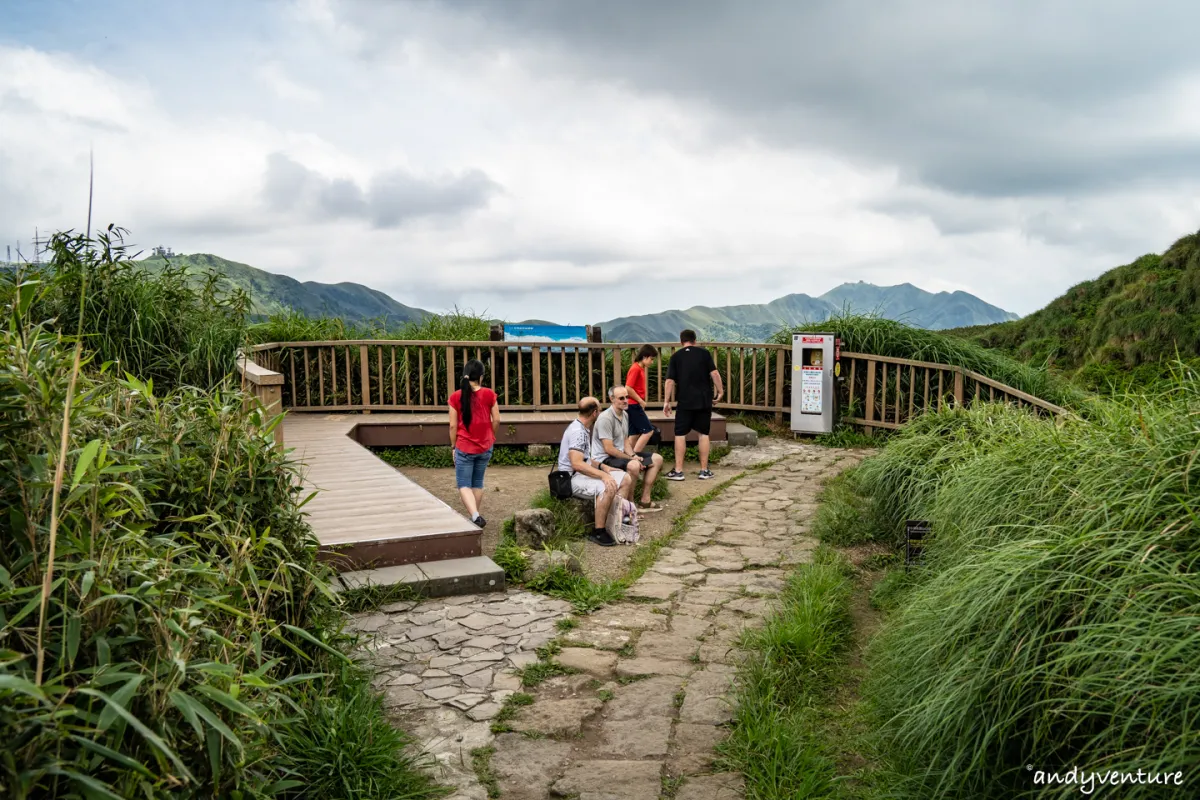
480	521
604	538
705	474
674	475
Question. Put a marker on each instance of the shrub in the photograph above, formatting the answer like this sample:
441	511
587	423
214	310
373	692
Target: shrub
157	325
188	632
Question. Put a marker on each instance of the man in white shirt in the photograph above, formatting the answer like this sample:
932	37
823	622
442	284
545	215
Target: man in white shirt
589	482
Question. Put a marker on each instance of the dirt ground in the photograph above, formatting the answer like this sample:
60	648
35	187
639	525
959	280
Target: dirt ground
508	490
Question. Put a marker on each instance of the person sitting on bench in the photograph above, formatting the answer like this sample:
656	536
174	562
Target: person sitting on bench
612	448
587	481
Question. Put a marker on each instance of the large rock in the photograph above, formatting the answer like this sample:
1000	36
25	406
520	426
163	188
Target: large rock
651	697
723	786
586	659
635	738
543	561
556	718
534	527
526	767
611	780
693	748
707	700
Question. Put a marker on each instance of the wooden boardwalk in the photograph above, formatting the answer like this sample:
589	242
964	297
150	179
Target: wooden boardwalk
366	513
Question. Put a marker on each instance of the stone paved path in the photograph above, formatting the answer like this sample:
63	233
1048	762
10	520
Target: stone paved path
650	697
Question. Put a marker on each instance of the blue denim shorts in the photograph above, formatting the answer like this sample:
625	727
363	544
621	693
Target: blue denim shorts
469	468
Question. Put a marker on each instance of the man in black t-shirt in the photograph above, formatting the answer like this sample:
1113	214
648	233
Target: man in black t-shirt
692	371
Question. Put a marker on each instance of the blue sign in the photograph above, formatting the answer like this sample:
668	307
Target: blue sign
545	333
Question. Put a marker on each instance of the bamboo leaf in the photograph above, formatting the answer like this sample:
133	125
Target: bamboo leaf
85	461
112	755
227	700
185	705
147	734
27	292
307	676
119	699
88	782
14	684
73	626
205	713
306	635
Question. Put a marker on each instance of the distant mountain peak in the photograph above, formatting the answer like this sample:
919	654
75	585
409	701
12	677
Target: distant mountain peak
756	322
271	293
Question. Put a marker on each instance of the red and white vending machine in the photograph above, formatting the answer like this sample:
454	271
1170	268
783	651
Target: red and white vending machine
815	358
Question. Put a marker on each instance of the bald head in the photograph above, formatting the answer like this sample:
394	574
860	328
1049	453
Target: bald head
589	409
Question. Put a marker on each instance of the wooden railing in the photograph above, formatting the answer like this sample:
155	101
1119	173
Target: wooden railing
394	375
384	375
886	392
264	385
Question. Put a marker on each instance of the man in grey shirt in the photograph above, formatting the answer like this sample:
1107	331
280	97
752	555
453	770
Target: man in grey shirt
612	449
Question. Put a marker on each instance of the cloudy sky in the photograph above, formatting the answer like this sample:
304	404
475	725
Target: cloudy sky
579	161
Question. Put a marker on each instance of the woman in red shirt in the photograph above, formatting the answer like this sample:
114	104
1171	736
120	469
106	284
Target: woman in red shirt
474	422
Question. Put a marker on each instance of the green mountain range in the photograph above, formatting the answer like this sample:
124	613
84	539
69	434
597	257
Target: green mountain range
757	322
271	293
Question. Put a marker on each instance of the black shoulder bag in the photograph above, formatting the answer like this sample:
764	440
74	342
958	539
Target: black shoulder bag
560	484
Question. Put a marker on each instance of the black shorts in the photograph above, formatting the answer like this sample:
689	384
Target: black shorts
692	419
623	463
639	423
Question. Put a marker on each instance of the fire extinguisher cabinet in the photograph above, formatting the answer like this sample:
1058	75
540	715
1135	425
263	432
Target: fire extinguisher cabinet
814	387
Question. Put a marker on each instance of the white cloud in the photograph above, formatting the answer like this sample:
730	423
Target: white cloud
489	178
275	79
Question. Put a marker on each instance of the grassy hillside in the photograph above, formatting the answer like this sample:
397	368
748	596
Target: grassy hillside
756	322
1123	328
273	294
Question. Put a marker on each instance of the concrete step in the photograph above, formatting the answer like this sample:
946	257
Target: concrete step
432	578
739	435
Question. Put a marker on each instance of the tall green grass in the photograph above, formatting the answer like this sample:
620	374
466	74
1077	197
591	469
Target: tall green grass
157	325
777	742
1057	622
292	326
191	647
1120	331
884	337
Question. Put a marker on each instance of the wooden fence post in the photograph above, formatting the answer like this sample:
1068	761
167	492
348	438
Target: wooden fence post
958	386
537	378
870	412
618	378
780	374
273	402
451	372
364	377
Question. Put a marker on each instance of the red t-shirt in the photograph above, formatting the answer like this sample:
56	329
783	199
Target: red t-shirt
636	380
479	437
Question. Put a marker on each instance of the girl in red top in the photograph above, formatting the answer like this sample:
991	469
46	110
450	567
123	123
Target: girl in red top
635	382
474	421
